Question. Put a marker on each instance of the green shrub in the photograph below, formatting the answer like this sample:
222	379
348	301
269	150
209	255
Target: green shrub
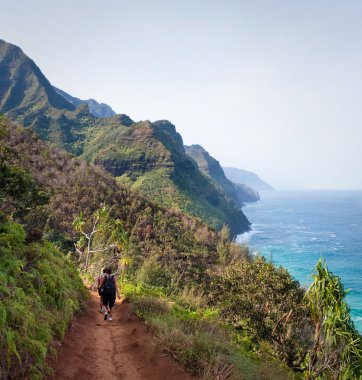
39	294
337	346
152	272
195	338
150	305
263	301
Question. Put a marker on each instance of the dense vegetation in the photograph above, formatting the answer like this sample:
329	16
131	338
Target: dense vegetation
40	289
39	293
193	333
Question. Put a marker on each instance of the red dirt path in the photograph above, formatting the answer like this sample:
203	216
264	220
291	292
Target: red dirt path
122	349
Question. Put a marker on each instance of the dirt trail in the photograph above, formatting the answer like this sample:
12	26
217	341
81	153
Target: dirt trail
122	349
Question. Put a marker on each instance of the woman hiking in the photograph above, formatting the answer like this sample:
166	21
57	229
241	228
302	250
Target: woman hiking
109	285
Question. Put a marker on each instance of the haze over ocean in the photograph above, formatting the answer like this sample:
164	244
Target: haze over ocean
295	228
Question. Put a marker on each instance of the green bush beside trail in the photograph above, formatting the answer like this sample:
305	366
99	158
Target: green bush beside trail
196	336
40	290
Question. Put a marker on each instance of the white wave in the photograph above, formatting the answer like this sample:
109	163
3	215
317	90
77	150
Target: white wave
245	237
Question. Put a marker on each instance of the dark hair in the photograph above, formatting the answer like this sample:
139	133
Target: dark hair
108	270
104	270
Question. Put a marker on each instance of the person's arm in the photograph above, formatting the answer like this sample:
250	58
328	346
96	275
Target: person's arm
101	281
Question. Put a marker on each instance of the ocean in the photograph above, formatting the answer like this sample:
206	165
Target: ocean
295	228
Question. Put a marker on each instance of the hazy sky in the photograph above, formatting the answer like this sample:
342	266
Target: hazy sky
270	86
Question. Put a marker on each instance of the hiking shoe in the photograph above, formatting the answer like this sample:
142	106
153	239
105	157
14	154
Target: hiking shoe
105	316
100	309
110	319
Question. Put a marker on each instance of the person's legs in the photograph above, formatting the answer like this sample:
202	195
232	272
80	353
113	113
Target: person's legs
112	300
106	307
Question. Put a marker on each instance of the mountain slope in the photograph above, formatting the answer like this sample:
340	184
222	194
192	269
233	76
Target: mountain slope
247	178
211	167
95	108
25	93
149	156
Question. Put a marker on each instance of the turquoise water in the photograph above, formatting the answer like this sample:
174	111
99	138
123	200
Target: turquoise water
295	228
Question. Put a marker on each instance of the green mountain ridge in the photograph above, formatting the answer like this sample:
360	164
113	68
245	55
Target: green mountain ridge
147	156
25	93
151	158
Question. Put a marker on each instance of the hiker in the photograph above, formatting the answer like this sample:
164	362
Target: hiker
100	290
109	286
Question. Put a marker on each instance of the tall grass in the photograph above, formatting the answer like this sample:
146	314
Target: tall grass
195	337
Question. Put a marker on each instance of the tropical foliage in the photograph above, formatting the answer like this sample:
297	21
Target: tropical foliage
337	346
40	291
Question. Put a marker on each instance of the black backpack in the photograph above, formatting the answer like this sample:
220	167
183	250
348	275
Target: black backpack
109	286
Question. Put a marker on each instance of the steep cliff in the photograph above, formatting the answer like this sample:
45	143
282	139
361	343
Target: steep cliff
211	167
246	193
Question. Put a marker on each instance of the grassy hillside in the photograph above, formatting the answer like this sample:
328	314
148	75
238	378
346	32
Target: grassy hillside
40	289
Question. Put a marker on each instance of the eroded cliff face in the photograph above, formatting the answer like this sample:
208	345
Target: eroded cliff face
134	168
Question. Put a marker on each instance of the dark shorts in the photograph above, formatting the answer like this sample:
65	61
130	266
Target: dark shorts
100	292
109	299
